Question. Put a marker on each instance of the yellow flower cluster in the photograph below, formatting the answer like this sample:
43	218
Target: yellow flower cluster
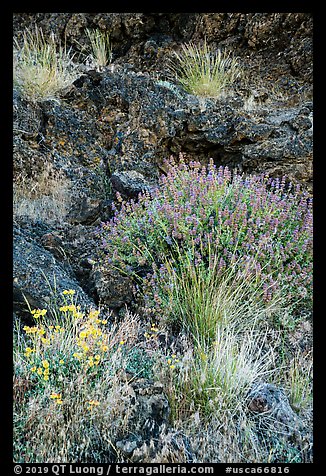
83	339
28	351
69	292
73	309
173	361
91	339
153	332
37	313
57	398
42	371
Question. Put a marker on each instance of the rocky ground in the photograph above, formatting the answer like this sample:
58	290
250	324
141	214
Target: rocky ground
113	128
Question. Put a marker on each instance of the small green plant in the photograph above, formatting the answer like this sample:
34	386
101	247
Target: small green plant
202	71
300	378
41	69
101	52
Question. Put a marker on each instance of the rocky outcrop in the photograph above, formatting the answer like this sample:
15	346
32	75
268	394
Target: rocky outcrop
38	276
148	413
113	129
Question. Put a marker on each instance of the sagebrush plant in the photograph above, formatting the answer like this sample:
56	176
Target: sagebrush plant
214	218
41	68
203	71
101	51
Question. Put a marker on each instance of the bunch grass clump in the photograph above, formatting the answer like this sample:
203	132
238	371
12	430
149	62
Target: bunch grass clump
41	68
101	51
46	197
202	71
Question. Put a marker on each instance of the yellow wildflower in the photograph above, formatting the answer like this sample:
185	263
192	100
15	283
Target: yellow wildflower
172	367
45	364
104	348
29	351
33	369
93	402
38	313
61	362
169	361
78	315
104	321
58	401
39	371
69	292
122	342
55	395
46	377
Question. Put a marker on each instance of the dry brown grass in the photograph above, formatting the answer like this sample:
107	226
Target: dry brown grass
45	197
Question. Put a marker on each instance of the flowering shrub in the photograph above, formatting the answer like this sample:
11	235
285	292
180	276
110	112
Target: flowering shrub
260	225
68	388
82	345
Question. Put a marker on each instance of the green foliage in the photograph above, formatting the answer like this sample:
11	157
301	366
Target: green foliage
139	363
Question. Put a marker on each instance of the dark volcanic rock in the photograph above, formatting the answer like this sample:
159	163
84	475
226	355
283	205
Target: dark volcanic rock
130	183
148	413
270	402
39	276
112	288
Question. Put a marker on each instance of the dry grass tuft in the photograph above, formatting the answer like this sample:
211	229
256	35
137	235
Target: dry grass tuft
41	69
45	197
202	71
101	52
